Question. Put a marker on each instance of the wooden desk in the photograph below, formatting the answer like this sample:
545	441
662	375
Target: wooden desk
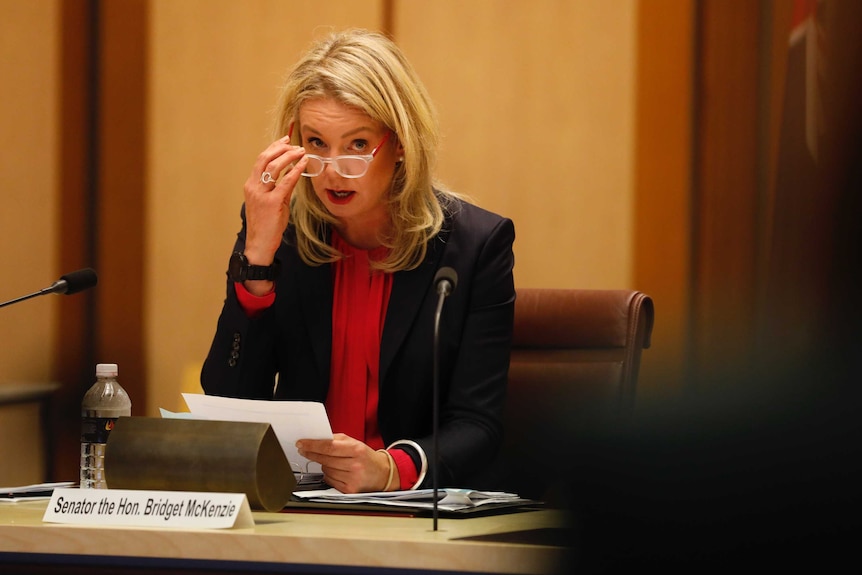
286	543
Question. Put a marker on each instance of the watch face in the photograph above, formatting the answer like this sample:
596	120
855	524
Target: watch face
237	267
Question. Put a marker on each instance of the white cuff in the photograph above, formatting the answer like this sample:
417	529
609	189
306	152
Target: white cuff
422	458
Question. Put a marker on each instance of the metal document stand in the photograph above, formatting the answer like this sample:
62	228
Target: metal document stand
150	453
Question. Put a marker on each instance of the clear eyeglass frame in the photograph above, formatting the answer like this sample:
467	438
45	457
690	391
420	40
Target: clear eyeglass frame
347	166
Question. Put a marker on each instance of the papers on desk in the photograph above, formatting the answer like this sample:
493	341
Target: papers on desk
31	492
449	499
290	420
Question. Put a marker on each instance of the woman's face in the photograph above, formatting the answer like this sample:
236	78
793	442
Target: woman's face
330	128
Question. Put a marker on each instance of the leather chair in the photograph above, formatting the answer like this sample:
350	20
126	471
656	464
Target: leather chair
575	361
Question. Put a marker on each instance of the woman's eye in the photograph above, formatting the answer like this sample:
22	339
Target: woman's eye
316	143
360	145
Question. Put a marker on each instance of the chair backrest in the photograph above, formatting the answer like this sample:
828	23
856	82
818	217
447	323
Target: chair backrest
575	353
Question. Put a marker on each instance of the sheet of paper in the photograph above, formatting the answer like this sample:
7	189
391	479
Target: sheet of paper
290	420
175	414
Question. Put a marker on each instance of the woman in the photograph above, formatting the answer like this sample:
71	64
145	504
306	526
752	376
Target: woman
331	295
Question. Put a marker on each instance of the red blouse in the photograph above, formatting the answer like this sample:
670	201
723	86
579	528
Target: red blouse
359	306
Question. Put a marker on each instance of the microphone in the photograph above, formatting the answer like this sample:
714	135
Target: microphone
73	282
446	280
68	284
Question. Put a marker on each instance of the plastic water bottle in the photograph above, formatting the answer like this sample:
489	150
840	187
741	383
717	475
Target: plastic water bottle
102	405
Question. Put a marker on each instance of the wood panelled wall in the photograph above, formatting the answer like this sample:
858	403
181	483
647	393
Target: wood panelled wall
630	141
709	91
536	112
102	165
726	208
29	66
29	152
662	227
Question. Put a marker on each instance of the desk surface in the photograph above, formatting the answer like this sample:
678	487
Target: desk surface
282	540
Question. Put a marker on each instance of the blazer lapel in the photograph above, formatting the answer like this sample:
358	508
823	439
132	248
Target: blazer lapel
315	296
405	301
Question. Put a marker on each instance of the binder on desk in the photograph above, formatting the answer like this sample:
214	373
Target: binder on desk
451	502
38	491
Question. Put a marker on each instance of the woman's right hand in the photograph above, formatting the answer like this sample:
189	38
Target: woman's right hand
267	204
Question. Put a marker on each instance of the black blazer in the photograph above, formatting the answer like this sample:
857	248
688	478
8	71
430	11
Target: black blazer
293	339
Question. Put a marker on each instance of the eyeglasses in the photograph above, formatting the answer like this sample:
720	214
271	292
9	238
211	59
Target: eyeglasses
349	166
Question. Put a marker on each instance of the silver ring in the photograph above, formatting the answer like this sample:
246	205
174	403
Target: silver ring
266	178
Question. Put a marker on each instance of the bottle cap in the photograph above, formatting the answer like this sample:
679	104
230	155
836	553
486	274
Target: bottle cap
106	370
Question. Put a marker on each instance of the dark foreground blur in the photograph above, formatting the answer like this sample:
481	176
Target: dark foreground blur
759	467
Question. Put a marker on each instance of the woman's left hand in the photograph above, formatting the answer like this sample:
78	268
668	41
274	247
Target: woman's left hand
348	464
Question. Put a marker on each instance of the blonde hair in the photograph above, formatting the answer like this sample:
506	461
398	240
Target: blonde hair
367	71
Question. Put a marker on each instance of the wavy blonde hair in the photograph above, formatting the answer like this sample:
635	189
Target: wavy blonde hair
367	71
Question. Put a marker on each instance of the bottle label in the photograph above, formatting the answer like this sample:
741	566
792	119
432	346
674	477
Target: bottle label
96	429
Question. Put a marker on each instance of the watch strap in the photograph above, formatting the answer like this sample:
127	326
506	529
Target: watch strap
269	272
239	270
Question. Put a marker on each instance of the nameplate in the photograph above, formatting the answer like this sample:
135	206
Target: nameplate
136	508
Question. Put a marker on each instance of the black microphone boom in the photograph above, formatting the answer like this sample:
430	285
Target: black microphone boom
446	281
73	282
68	284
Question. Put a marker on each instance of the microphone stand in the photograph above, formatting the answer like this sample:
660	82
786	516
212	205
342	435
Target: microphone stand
436	397
47	290
68	284
445	280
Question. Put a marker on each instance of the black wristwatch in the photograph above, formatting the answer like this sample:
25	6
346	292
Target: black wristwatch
239	270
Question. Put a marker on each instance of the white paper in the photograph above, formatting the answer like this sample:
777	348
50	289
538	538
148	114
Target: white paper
290	420
175	414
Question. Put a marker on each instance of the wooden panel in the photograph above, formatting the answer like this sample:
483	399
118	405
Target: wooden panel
23	461
101	222
74	334
23	416
537	110
28	184
121	197
726	192
102	199
779	36
663	171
